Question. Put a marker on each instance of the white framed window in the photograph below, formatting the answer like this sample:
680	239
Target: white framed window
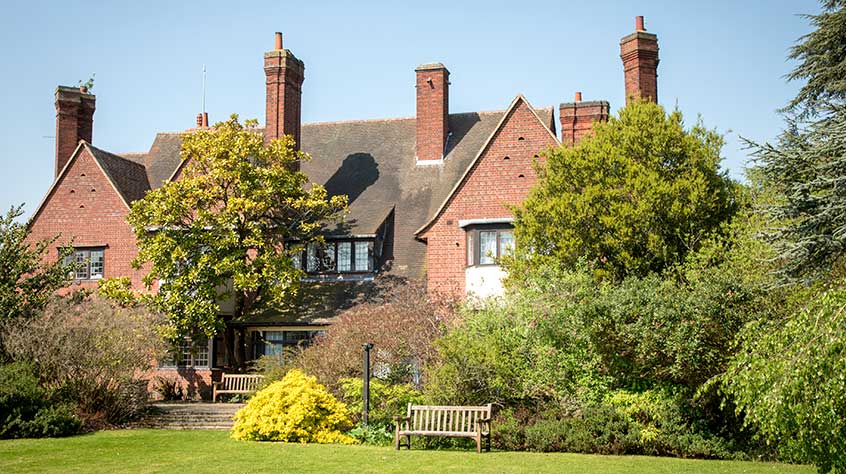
363	256
188	355
344	256
90	263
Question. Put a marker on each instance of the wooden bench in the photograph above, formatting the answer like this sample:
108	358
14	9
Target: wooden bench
236	383
453	421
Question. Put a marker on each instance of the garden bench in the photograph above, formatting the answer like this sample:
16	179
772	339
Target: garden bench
236	383
453	421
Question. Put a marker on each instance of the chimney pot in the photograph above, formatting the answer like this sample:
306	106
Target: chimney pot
578	96
278	41
199	120
639	23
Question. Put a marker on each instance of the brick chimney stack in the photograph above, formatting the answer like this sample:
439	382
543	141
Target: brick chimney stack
285	74
432	112
639	52
74	121
577	118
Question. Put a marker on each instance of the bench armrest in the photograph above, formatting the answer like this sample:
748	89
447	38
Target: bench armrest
217	384
402	418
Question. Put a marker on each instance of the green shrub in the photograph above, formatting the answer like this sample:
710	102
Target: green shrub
377	435
529	349
26	410
91	353
294	409
386	400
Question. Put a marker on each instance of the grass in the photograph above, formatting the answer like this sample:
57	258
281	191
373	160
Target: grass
151	451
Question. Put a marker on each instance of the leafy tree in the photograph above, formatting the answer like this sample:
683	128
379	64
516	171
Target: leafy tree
789	379
636	197
224	229
27	278
822	61
806	164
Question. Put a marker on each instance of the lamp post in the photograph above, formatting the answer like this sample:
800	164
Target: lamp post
365	412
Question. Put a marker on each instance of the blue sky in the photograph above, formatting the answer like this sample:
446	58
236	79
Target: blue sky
723	60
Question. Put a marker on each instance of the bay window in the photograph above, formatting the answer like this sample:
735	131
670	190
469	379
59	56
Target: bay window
486	244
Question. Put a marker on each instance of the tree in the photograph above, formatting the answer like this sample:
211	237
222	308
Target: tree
228	227
636	197
806	164
822	61
789	378
27	277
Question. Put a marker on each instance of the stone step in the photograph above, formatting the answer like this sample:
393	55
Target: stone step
190	416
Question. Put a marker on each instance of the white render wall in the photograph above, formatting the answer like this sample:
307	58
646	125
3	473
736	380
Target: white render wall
484	282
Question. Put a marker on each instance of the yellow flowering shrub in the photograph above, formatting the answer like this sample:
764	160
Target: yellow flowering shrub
294	409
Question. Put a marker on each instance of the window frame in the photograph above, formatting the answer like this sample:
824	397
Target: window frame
86	261
190	362
303	257
474	244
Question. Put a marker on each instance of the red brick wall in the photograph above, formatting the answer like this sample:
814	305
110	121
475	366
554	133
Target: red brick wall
86	209
195	383
432	111
489	188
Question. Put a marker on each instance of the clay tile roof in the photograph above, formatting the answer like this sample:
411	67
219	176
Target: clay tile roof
128	177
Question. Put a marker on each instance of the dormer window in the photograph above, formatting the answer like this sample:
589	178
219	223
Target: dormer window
336	256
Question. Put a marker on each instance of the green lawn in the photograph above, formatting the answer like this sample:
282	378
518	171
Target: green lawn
213	451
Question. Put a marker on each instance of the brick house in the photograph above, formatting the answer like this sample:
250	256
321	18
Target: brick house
428	194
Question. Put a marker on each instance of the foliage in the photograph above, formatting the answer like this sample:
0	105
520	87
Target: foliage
378	435
650	423
398	318
636	197
27	277
806	168
600	430
224	229
169	388
821	55
654	330
119	291
91	353
789	379
386	400
294	409
26	410
528	349
87	85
